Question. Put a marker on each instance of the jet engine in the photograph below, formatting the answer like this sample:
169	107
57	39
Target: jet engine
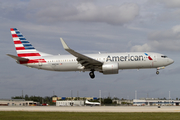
110	68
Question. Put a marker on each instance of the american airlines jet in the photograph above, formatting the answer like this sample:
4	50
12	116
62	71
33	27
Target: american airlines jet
108	63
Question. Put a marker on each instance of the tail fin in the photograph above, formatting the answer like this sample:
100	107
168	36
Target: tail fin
23	47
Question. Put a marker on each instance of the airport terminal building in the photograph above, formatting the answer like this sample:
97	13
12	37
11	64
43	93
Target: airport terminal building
155	102
17	102
70	103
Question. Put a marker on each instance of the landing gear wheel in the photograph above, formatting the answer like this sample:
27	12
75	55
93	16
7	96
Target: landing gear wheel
92	75
157	72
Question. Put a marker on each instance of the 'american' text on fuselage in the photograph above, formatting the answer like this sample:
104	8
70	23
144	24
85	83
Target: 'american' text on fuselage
124	58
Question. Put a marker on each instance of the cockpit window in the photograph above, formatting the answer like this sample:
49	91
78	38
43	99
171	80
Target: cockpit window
164	56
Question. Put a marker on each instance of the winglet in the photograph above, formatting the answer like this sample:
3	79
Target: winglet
64	44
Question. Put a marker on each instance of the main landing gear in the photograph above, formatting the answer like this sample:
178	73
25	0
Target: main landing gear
91	74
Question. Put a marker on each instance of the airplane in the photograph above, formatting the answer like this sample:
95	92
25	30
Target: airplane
106	63
91	103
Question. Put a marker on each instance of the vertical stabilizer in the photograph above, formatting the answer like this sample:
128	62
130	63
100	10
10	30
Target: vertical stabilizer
23	47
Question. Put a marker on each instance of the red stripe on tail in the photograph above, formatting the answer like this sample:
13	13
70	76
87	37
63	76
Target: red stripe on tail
14	35
11	29
17	42
20	48
29	54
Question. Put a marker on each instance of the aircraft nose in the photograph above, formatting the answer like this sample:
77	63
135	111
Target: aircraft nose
171	61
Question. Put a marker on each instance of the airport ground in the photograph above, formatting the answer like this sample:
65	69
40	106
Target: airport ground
92	109
89	113
9	115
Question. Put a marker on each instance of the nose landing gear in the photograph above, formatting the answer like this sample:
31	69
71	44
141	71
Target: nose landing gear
159	68
91	74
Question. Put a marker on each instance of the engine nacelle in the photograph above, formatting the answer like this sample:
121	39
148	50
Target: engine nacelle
110	68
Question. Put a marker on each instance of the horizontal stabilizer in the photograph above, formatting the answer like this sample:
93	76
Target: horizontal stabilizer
18	58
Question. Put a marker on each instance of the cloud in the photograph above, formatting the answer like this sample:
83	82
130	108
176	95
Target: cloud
88	11
171	15
172	34
144	47
161	40
47	11
169	12
13	10
168	3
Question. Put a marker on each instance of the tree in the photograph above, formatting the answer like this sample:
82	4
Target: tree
39	99
115	98
17	97
26	97
108	100
164	98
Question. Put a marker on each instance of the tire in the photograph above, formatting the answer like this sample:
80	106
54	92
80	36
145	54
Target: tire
91	74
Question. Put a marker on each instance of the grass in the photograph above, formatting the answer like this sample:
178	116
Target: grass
86	116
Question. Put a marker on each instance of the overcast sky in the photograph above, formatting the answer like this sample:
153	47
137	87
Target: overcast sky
91	26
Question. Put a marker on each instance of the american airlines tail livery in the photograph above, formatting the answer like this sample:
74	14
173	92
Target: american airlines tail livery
108	63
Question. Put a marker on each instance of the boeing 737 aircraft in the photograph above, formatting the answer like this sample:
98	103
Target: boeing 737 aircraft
108	63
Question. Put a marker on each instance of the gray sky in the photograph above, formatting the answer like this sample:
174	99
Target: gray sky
90	26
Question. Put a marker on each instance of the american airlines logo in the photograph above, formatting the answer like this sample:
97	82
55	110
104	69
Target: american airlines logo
149	57
124	58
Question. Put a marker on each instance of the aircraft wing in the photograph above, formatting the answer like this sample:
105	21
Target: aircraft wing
87	62
18	58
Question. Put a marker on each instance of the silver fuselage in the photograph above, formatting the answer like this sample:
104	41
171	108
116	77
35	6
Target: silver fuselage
131	60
